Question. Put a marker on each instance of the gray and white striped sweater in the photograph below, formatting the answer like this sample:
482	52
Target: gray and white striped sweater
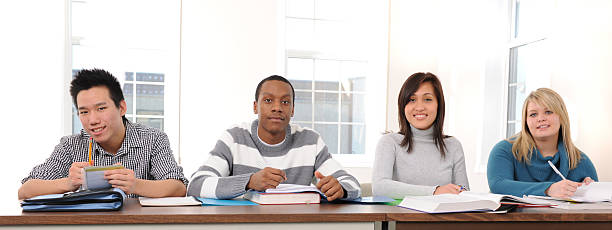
239	153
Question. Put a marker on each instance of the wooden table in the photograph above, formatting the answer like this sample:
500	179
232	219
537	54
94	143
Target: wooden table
310	217
521	219
313	216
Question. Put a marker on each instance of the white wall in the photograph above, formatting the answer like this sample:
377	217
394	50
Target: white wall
32	68
227	48
582	75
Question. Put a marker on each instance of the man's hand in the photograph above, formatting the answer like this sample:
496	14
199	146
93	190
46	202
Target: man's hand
75	175
562	189
449	188
266	178
329	186
123	179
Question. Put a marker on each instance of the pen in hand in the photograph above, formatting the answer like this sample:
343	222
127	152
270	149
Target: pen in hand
556	170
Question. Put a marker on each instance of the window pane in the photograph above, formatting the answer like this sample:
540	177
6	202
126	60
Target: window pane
326	107
329	133
510	130
353	139
300	34
151	122
512	103
513	128
532	17
303	106
129	76
128	94
300	8
340	9
150	77
303	124
149	99
340	40
300	72
351	107
353	76
76	123
327	74
531	62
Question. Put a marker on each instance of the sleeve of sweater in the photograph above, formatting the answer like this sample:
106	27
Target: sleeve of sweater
500	174
214	179
326	165
382	173
459	172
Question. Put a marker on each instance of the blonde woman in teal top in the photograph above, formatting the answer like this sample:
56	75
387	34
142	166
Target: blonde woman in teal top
519	166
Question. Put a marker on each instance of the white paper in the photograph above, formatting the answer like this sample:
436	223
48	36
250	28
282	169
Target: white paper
168	201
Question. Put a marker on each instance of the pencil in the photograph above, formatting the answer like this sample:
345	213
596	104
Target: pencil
90	160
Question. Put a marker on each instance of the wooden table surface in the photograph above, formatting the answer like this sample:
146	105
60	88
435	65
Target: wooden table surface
133	213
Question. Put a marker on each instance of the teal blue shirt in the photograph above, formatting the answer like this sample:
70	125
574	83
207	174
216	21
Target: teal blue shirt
506	175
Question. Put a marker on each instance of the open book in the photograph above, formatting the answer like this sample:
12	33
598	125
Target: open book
463	202
593	192
286	194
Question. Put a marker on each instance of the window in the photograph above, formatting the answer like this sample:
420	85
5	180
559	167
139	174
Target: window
145	95
528	61
329	62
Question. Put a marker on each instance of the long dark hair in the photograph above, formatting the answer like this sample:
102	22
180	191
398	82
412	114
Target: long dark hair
411	85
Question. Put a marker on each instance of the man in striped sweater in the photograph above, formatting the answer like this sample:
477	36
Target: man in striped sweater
269	151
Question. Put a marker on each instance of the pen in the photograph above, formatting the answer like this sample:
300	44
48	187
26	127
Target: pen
556	170
462	188
90	159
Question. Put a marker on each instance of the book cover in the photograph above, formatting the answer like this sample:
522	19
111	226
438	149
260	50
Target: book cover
286	194
94	177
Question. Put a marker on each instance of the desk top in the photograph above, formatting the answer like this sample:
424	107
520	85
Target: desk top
520	215
133	213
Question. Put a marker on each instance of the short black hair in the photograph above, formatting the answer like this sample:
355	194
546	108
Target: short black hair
275	78
88	78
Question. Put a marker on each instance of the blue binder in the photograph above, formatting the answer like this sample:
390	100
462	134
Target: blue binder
86	200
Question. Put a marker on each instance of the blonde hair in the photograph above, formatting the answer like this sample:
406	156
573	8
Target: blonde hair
523	143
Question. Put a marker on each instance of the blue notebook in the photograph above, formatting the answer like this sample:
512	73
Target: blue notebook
86	200
217	202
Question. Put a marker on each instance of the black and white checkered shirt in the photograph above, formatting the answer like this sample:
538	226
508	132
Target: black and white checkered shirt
145	150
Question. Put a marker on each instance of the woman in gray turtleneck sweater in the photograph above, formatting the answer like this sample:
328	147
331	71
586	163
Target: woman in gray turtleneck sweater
420	159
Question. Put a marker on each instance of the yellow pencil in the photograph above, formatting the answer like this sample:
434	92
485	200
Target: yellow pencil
90	160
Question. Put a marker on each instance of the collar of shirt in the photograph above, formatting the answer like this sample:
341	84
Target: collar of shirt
132	140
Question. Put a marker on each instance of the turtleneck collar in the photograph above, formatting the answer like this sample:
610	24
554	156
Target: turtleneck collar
426	134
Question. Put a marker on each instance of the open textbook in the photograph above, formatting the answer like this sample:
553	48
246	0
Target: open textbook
593	192
465	202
